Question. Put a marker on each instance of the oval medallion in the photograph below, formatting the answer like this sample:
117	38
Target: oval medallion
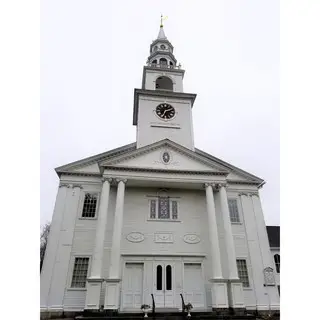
166	157
191	238
135	237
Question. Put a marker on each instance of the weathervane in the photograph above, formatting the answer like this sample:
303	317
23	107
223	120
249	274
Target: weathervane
162	19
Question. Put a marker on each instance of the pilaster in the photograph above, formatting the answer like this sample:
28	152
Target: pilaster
94	282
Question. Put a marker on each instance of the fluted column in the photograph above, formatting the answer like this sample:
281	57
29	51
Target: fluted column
113	285
235	289
95	279
213	233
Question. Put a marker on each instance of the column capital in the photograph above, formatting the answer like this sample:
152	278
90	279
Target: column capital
221	185
243	194
68	185
121	180
254	194
104	179
77	186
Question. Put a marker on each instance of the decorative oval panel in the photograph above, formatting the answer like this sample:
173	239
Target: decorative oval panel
191	238
135	237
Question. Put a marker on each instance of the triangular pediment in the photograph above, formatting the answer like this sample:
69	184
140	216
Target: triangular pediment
165	155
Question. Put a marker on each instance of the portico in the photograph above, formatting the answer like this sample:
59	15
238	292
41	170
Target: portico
225	291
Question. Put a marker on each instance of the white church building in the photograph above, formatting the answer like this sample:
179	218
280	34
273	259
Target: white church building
158	218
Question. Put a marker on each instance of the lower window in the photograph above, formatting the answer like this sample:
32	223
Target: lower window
80	272
243	272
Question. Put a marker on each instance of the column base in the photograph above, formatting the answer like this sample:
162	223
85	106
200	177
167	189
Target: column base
93	293
236	297
112	298
219	292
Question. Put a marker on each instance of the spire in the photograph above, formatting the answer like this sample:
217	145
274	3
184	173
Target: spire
161	34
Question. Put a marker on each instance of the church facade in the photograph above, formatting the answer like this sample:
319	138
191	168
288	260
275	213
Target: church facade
158	217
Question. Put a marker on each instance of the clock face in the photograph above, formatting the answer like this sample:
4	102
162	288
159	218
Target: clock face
165	111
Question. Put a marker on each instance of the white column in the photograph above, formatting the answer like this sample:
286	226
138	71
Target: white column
95	279
219	287
112	288
235	286
213	234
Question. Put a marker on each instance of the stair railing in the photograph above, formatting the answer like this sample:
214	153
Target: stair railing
183	304
153	305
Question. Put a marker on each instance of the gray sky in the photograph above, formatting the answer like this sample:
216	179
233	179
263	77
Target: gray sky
92	56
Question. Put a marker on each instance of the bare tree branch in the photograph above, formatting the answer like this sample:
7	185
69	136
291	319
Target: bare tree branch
43	241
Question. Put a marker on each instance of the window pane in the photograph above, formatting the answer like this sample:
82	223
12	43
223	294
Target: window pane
159	277
164	211
80	271
89	205
233	209
243	272
174	210
168	278
152	209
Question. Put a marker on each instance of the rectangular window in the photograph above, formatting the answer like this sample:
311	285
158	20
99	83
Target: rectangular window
243	272
89	205
279	290
80	271
163	208
233	209
174	210
153	209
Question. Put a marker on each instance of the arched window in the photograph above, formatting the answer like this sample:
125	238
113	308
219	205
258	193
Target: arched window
159	277
171	64
277	262
164	83
163	61
155	48
168	278
154	62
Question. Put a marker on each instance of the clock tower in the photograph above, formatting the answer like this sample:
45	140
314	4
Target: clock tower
161	109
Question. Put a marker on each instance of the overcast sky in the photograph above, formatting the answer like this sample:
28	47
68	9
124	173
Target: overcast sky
92	56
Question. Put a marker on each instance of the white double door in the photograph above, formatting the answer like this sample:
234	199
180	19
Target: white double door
164	284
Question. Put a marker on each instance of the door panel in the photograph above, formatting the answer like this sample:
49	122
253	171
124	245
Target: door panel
193	285
133	285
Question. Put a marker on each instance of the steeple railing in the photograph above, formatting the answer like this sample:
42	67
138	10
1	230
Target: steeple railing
163	66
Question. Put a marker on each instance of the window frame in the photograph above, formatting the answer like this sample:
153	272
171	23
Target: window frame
72	261
238	209
276	263
83	196
171	200
247	269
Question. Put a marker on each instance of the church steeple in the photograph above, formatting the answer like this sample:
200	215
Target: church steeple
161	51
161	109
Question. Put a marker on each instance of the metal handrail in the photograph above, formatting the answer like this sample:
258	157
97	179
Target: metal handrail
183	304
153	304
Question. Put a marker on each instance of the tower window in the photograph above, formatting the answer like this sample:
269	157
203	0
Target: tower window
155	48
163	61
154	62
164	83
277	262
